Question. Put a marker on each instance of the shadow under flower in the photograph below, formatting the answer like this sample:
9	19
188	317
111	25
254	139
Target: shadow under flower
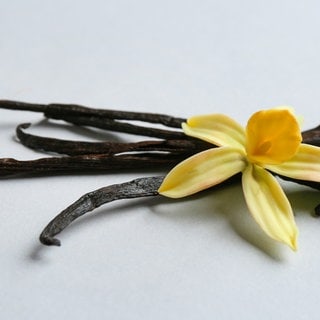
227	202
303	199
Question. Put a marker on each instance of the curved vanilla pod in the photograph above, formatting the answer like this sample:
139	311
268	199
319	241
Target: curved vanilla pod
142	187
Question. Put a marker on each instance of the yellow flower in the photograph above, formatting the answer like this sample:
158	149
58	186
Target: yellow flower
271	141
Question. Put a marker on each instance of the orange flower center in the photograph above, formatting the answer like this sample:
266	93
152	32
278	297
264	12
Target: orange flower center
273	136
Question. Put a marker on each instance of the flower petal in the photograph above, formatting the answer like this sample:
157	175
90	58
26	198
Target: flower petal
273	136
268	205
217	129
202	171
305	165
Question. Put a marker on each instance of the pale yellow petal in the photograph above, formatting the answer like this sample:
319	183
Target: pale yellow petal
269	206
305	165
273	136
202	171
217	129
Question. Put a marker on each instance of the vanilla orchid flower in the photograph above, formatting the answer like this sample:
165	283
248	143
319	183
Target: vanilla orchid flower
271	141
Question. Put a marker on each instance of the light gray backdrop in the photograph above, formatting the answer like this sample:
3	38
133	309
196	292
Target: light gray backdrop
197	258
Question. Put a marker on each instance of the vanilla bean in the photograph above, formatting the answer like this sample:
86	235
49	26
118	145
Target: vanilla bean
142	187
88	163
118	126
60	111
57	109
69	147
104	119
312	136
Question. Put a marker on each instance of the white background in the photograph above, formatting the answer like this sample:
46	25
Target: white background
197	258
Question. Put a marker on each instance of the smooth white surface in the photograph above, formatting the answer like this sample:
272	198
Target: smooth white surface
197	258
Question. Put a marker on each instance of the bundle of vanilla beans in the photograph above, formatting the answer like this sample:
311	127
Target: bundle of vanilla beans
167	147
